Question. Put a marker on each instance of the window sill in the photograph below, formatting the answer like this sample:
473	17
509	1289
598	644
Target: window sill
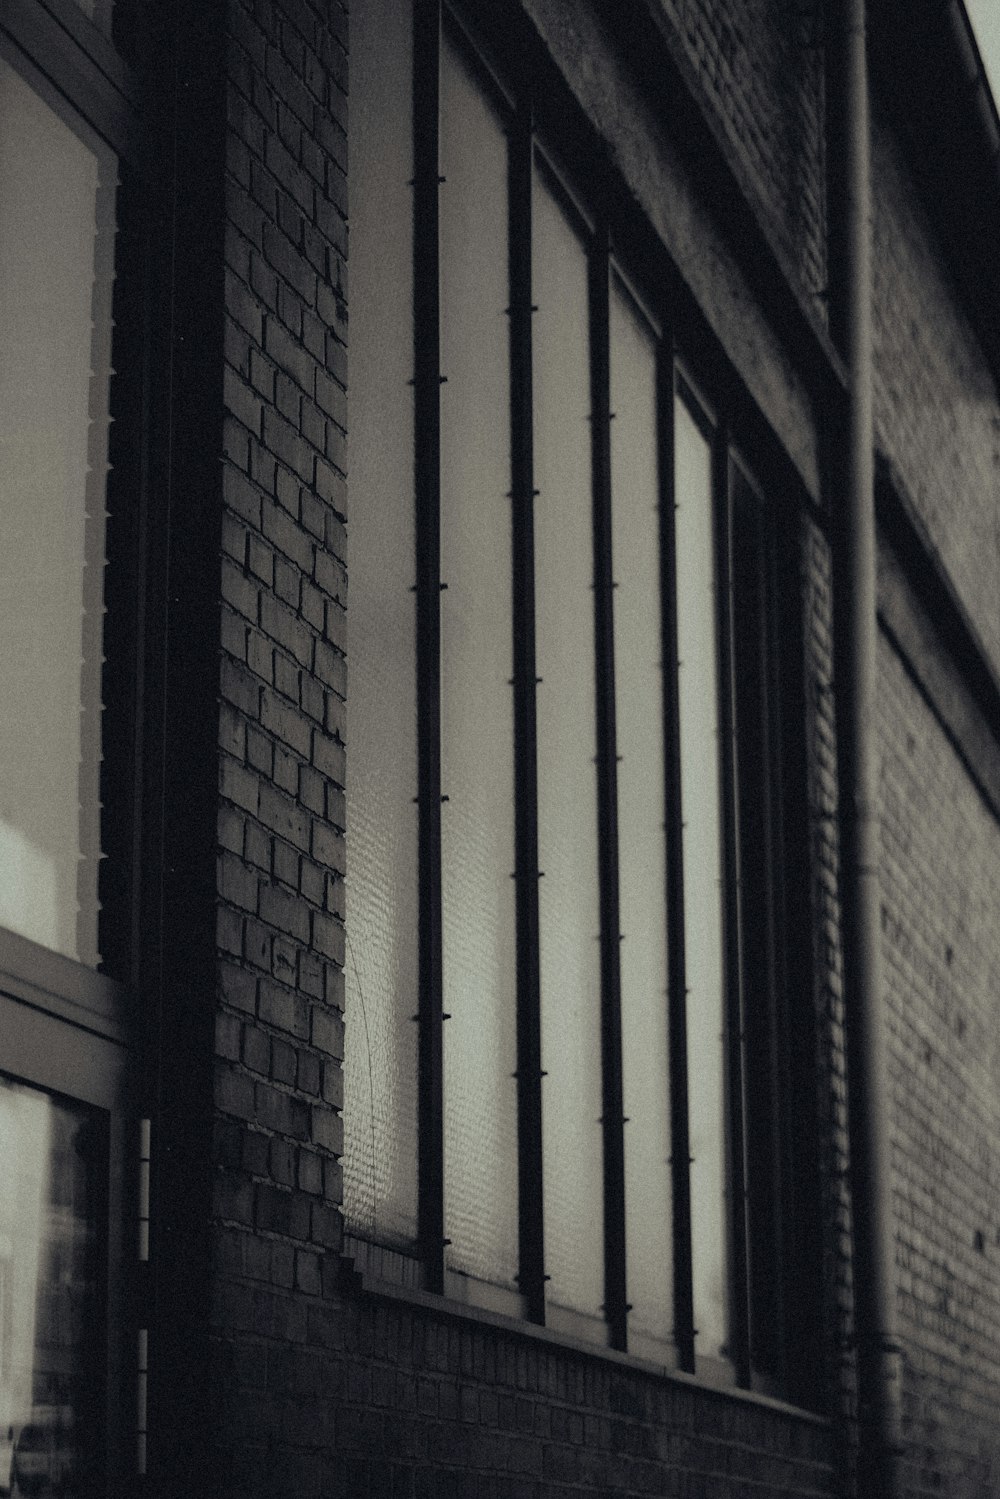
371	1284
60	986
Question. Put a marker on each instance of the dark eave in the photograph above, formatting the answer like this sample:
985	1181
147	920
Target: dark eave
929	77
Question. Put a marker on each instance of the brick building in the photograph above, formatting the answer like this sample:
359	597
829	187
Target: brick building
524	1025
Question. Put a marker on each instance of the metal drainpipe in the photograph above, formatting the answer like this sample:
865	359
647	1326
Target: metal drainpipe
878	1351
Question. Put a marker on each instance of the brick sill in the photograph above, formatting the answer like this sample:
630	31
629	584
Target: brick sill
465	1311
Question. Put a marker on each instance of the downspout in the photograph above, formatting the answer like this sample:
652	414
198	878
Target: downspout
878	1352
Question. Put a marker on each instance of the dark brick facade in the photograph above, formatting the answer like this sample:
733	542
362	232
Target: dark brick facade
282	681
942	959
326	1384
938	418
759	65
936	401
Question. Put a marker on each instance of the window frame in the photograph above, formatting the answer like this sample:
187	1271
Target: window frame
68	1029
670	319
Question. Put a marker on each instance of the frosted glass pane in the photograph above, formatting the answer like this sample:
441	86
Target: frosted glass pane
380	1105
477	820
641	818
567	790
56	259
703	893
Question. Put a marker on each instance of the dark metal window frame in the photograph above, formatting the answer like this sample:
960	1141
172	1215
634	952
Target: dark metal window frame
760	1065
59	42
429	18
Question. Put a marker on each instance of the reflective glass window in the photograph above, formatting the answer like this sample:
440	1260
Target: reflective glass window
380	1108
57	196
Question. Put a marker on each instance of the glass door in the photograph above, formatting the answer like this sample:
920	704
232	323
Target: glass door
63	1169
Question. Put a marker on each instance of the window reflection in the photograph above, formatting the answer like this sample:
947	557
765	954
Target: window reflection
54	1157
477	833
56	248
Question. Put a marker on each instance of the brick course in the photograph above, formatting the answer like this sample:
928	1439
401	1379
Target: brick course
831	1105
367	1397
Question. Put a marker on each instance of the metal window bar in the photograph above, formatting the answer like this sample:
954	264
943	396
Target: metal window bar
733	972
612	1101
427	446
526	873
766	1080
680	1149
802	1373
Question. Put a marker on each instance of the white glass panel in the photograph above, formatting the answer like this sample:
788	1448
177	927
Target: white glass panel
56	258
567	788
477	834
703	893
54	1156
641	817
380	1105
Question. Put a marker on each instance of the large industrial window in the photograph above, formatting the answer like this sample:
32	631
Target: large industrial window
68	512
565	1047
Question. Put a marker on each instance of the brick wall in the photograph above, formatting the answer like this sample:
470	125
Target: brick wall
282	681
936	407
938	418
433	1406
830	1115
760	66
941	943
372	1397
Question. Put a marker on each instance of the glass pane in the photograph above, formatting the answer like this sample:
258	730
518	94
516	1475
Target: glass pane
380	1107
641	818
54	1157
698	677
567	787
56	267
477	835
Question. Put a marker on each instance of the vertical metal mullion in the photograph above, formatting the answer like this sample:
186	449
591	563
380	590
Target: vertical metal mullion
733	981
680	1148
781	1093
774	978
612	1110
799	1222
529	1038
427	450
